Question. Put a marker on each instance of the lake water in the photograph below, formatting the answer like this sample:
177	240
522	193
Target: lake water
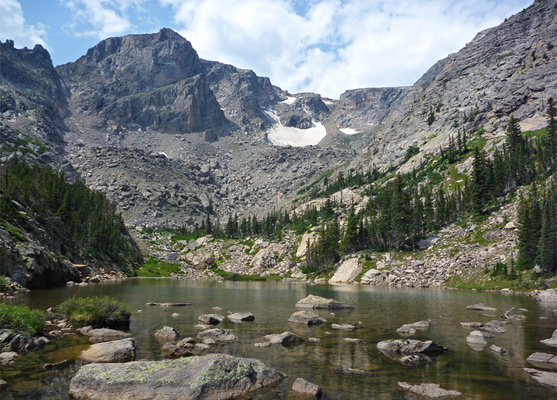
344	370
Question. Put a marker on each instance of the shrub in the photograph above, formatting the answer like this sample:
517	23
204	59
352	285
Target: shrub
97	311
21	319
3	283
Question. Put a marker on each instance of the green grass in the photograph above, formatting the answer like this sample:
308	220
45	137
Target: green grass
97	311
21	319
158	268
233	276
540	133
17	234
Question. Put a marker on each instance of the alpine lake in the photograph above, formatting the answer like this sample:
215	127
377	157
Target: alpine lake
345	370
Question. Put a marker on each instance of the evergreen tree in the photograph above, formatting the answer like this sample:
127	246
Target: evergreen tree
350	238
547	258
479	185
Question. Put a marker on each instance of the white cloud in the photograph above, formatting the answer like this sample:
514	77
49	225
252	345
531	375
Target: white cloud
13	26
335	45
101	18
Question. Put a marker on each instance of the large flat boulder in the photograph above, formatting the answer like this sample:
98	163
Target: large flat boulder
552	341
429	390
544	378
317	302
116	351
347	271
210	377
307	318
106	335
409	346
241	317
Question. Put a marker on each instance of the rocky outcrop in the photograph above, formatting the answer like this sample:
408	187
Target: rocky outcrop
347	271
317	302
214	377
116	351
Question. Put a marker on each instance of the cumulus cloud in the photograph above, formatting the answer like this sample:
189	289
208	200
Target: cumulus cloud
13	26
328	46
101	18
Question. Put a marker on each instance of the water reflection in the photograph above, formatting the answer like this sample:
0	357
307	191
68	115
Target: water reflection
344	370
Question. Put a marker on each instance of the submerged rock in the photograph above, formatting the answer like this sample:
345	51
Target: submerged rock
218	335
241	317
409	346
317	302
343	327
429	390
116	351
480	307
305	388
306	317
210	377
544	378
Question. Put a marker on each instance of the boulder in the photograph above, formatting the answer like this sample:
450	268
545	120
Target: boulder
241	317
544	378
8	357
409	346
176	351
307	238
552	341
306	317
493	327
542	358
210	319
497	349
218	335
116	351
105	335
347	271
369	276
472	324
343	327
410	329
476	338
317	302
285	338
429	390
406	330
480	307
306	389
167	334
547	296
210	377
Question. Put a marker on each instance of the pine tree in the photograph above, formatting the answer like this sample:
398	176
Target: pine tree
547	258
350	238
479	185
551	134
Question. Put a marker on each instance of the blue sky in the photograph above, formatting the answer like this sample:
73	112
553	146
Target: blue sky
324	46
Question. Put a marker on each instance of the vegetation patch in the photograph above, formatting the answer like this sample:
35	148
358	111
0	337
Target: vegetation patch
21	319
97	311
158	268
233	276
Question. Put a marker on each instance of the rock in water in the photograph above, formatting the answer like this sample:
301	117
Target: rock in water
306	317
210	319
306	388
210	377
285	338
105	335
167	334
542	358
317	302
241	317
218	335
480	307
552	341
429	390
409	346
116	351
343	327
544	378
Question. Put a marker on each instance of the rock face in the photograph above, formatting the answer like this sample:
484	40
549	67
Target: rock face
429	390
317	302
306	317
347	271
544	378
116	351
409	346
211	377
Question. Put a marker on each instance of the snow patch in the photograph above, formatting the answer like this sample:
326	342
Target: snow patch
349	131
280	135
328	102
289	100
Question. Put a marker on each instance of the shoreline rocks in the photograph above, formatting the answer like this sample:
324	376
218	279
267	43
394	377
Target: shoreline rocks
214	376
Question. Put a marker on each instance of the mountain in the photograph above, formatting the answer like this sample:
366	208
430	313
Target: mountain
171	138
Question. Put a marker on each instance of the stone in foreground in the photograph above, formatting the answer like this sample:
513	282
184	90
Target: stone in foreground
429	390
305	388
210	377
552	341
317	302
241	317
116	351
285	338
306	317
544	378
409	346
